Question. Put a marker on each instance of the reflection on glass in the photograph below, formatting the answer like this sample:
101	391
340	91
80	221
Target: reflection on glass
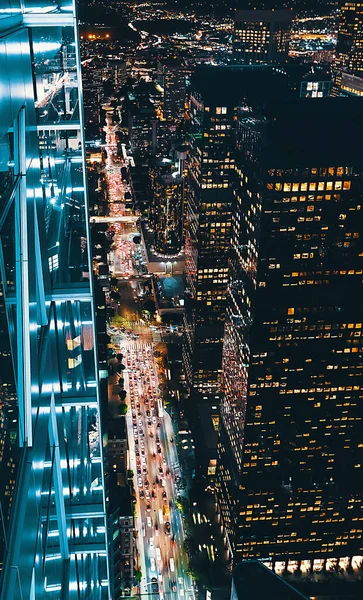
6	167
55	74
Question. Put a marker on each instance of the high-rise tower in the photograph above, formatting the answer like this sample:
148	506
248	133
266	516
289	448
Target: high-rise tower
291	442
348	65
261	36
53	507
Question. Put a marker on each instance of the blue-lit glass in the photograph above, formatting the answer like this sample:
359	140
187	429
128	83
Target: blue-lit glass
52	501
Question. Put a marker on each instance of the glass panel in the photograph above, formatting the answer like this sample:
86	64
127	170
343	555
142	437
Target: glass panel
6	167
47	6
55	74
63	188
76	348
9	8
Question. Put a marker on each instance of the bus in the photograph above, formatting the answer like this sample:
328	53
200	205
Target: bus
160	408
166	512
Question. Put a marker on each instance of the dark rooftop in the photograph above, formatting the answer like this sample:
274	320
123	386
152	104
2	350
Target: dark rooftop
116	428
228	86
251	579
307	130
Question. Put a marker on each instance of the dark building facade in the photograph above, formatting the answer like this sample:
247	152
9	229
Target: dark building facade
261	36
166	210
209	204
208	211
171	75
290	443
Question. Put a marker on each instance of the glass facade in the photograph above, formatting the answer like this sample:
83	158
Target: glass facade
261	36
208	212
52	484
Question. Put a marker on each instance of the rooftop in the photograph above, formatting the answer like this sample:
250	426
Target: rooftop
251	579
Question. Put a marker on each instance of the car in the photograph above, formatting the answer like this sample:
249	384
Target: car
148	522
154	419
142	494
173	584
167	527
161	470
151	542
163	482
164	494
144	470
158	554
152	564
148	413
148	507
151	434
153	494
163	462
159	450
139	481
154	585
154	588
146	482
147	495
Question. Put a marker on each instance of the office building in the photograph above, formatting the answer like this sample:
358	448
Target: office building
316	84
142	122
349	50
171	75
53	511
290	450
261	36
166	210
209	202
210	165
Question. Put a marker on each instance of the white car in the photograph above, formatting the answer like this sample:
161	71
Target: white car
147	495
163	482
139	481
152	564
148	522
151	542
158	554
172	566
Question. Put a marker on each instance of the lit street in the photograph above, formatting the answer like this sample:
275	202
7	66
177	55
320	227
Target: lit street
152	453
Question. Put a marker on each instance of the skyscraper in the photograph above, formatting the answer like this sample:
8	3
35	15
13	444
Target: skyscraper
171	74
290	446
53	518
348	65
261	36
216	93
166	211
209	197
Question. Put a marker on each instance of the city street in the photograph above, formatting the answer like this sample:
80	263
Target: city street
152	453
156	469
